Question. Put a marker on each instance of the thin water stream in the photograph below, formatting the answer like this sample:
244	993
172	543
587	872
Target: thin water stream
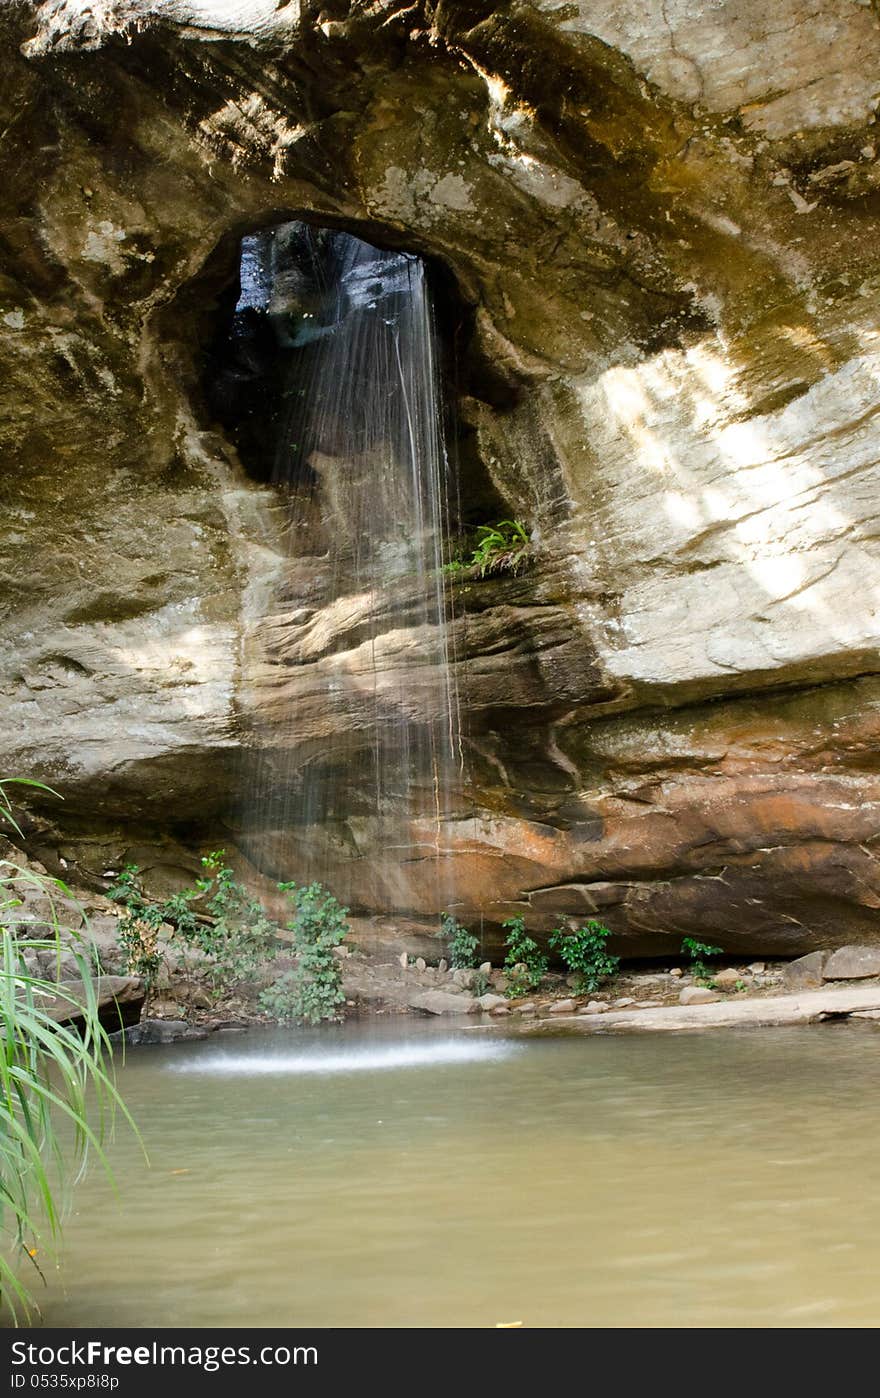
381	1176
365	721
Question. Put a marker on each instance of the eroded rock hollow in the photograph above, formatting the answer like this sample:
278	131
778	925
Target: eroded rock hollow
652	231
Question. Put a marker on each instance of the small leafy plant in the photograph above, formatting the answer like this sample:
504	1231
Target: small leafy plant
501	548
464	946
312	991
524	964
699	952
585	954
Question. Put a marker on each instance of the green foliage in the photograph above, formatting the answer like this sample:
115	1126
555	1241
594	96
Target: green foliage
235	938
464	946
698	953
233	935
501	548
48	1071
239	937
524	964
138	929
585	954
312	991
493	548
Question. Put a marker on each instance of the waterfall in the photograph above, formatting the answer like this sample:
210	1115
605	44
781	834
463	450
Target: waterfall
366	720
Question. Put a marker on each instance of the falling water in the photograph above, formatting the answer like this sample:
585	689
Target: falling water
365	725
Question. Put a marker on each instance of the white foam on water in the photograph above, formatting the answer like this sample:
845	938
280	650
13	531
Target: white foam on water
353	1060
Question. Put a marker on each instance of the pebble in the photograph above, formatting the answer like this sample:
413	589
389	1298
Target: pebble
676	971
756	968
421	964
403	960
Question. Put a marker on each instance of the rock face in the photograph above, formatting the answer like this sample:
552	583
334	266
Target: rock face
119	1000
657	230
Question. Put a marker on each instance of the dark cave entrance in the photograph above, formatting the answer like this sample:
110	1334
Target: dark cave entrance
272	310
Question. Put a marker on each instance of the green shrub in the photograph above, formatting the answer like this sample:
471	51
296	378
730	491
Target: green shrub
463	946
239	938
584	953
524	964
698	953
235	938
312	991
138	930
233	934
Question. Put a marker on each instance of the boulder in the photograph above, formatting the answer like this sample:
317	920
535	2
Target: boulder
492	1002
562	1007
852	963
727	979
698	995
440	1002
465	978
806	972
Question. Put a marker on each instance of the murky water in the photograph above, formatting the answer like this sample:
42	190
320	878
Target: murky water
440	1178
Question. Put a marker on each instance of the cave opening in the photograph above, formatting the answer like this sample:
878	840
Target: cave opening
265	350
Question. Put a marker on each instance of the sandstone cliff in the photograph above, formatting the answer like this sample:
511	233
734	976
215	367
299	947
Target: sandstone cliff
659	224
